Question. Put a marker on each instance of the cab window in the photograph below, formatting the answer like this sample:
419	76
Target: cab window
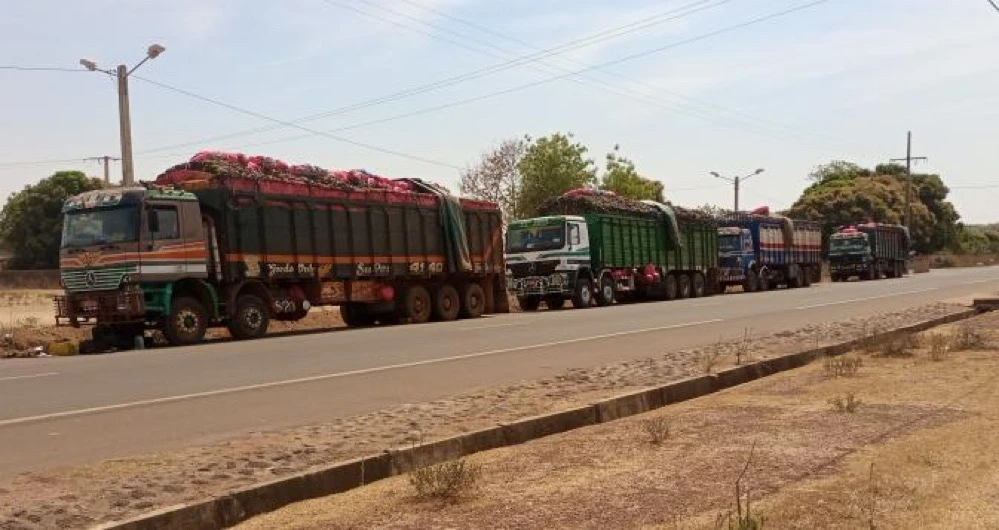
169	223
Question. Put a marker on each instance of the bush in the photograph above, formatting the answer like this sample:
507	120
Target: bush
967	337
448	481
849	403
897	346
843	366
939	346
657	429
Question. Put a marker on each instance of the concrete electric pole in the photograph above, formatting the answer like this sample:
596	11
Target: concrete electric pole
735	182
124	115
908	178
107	163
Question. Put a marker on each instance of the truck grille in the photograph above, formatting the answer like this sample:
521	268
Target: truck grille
532	268
96	280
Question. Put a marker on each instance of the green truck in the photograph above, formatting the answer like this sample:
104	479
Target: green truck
869	251
601	248
234	247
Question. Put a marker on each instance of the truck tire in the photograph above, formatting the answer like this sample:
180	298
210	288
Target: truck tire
529	303
794	274
752	282
447	305
473	301
806	277
416	305
582	296
683	287
607	291
250	319
763	283
187	322
555	302
671	287
698	288
872	273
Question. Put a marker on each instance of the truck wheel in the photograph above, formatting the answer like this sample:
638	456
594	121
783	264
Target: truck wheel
473	301
872	273
416	304
671	287
529	303
751	283
763	282
187	322
794	277
555	302
583	295
683	286
697	285
806	277
446	303
251	318
607	290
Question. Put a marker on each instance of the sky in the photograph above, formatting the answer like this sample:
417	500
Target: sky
423	87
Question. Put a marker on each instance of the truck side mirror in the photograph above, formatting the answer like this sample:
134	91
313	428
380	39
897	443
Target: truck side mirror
153	220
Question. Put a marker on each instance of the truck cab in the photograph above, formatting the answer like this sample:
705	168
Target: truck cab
736	254
850	254
545	257
131	257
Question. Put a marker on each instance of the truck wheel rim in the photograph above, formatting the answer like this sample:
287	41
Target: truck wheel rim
187	321
608	292
253	317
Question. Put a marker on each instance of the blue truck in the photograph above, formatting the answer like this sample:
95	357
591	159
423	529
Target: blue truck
761	252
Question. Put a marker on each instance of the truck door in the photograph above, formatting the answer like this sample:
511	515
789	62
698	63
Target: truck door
163	256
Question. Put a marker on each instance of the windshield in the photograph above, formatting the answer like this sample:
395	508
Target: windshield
729	243
100	227
848	244
533	238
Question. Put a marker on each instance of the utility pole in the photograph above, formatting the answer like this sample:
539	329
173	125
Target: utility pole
107	163
908	178
735	182
124	115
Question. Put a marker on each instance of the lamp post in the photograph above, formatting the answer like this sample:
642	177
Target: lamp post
735	181
124	116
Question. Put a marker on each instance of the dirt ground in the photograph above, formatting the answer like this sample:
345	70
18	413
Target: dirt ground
919	451
122	488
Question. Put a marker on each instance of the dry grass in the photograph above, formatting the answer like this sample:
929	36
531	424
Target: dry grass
842	366
930	433
709	358
848	403
656	429
447	482
967	336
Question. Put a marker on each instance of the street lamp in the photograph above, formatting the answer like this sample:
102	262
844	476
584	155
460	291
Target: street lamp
735	181
125	119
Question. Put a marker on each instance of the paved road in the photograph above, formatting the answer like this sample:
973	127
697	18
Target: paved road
62	411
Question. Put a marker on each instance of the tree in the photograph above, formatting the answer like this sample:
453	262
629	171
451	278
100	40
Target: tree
550	167
31	221
497	178
837	170
621	178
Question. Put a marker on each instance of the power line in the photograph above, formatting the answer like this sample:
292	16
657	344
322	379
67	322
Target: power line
296	126
996	6
39	69
619	31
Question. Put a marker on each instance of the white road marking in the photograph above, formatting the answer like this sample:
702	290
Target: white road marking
852	300
32	376
981	281
323	377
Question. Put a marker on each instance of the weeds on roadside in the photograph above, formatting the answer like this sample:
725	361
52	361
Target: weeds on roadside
742	518
709	357
872	501
743	346
656	429
842	366
939	346
967	337
846	404
897	346
447	481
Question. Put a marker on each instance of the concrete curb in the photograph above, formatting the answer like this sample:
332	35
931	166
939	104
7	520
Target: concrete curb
240	505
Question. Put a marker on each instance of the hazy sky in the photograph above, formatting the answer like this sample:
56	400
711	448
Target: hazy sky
843	79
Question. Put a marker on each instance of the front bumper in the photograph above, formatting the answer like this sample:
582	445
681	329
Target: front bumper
849	267
560	282
98	307
731	274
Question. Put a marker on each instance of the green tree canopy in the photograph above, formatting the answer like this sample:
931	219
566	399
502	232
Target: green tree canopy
622	178
551	166
31	221
845	193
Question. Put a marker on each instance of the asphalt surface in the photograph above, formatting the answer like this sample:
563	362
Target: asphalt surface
62	411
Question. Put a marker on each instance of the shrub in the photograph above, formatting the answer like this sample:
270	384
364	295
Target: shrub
939	346
843	366
657	429
967	337
448	481
849	403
